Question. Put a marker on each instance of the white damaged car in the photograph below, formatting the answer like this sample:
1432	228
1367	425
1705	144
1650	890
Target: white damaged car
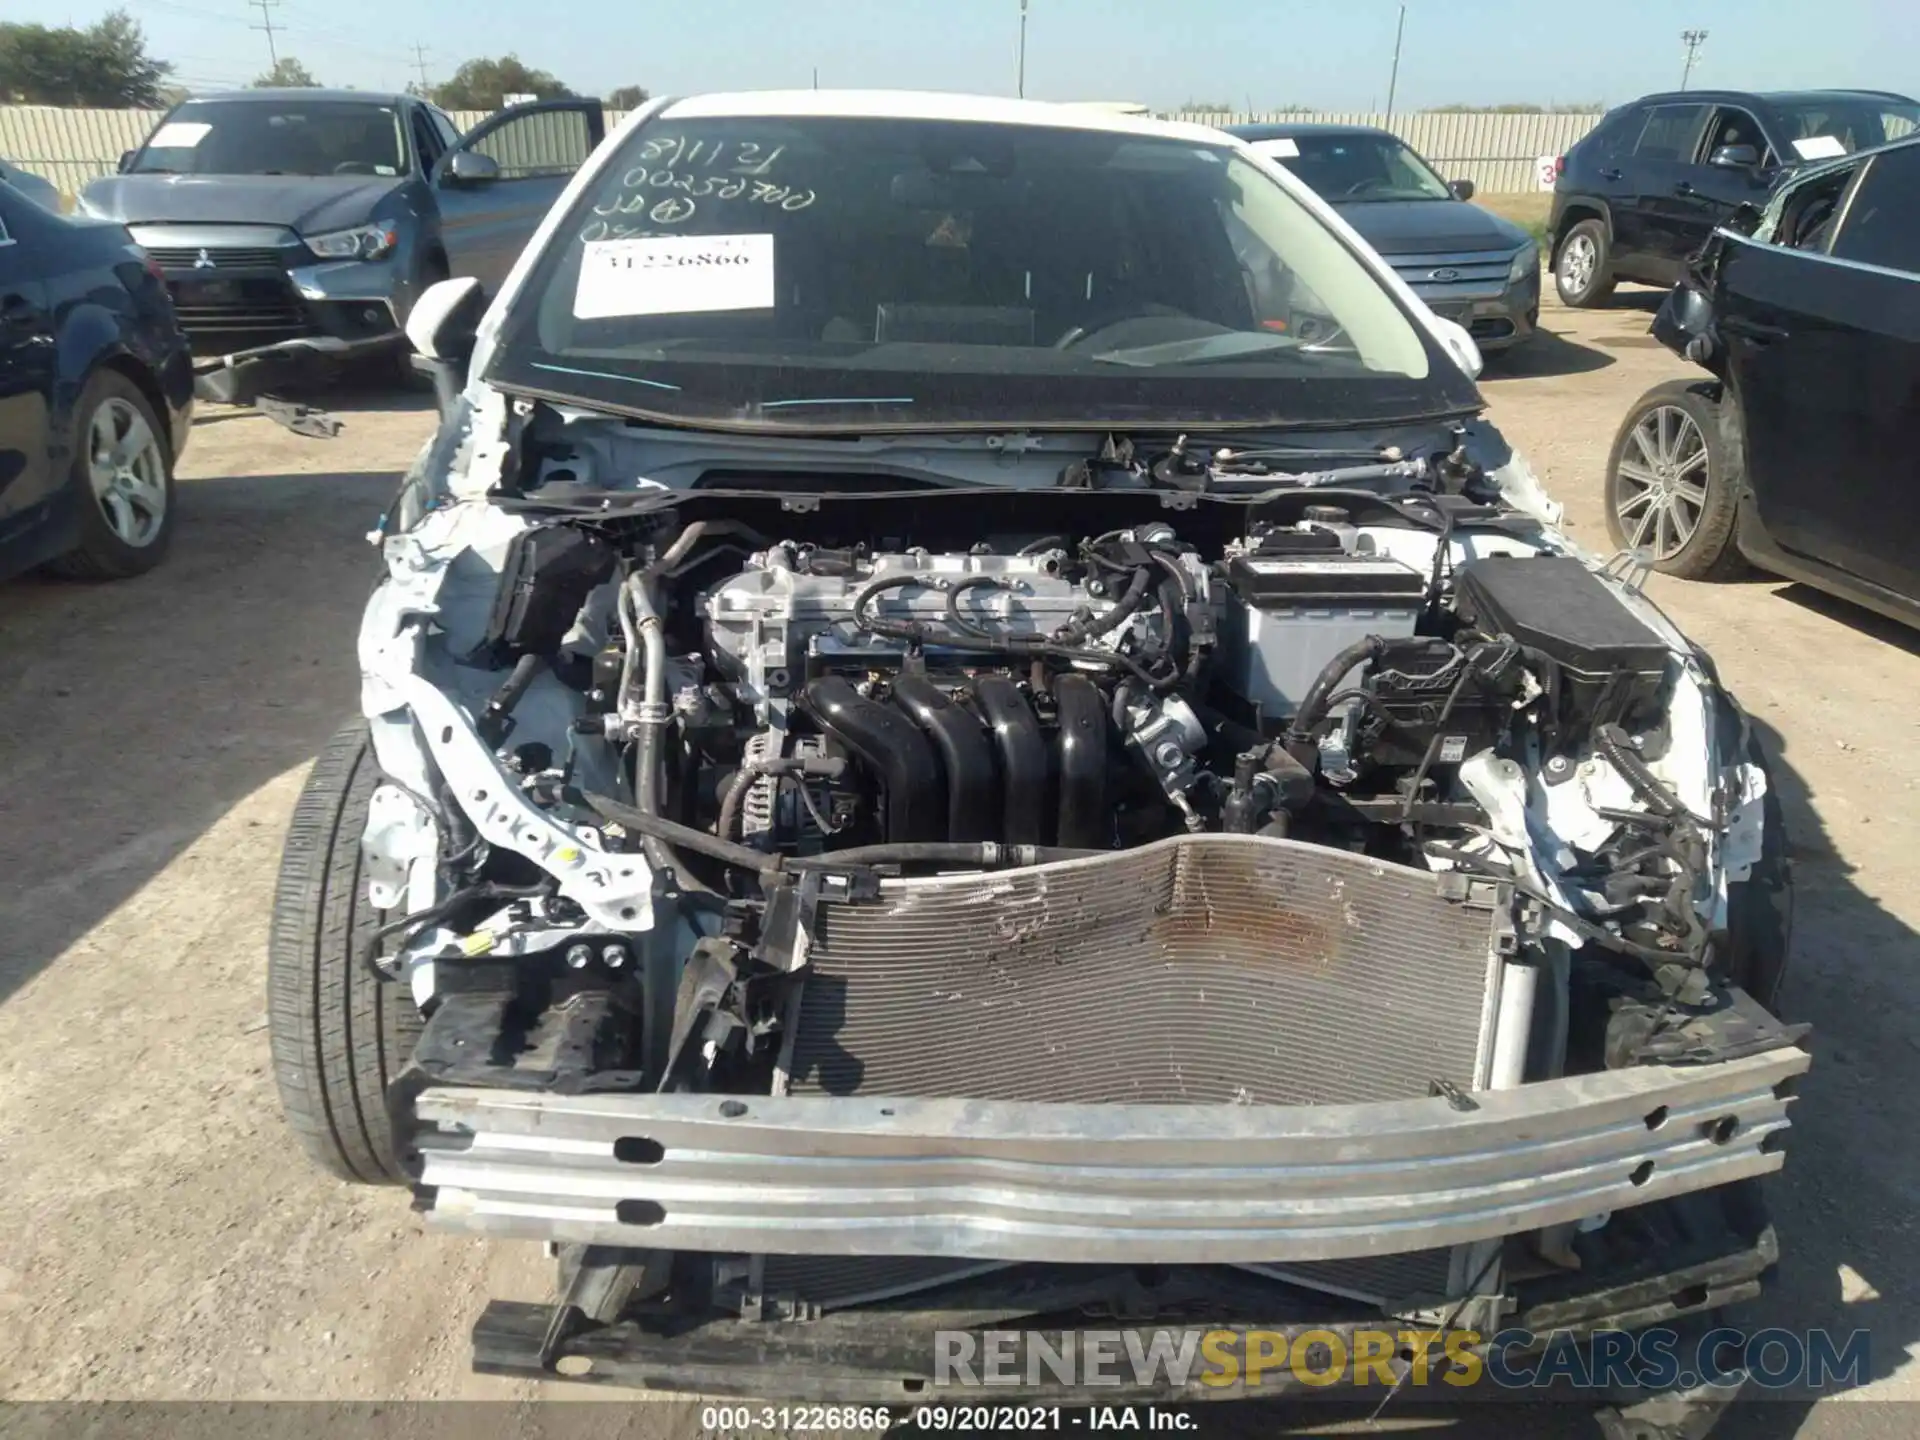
967	725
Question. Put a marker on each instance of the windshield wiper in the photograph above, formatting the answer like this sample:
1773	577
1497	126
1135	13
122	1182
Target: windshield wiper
1202	470
1200	351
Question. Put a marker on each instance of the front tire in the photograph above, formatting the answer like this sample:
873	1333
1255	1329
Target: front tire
123	478
1673	487
1583	266
338	1035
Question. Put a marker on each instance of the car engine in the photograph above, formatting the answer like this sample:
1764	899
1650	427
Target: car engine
1278	796
741	704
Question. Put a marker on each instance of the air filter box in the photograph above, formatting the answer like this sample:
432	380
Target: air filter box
1612	665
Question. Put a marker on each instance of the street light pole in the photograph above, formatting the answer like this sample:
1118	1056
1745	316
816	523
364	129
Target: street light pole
1393	80
1021	78
1693	39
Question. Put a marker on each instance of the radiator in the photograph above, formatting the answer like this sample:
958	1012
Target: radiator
1205	969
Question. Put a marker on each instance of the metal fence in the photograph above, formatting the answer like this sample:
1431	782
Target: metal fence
1496	152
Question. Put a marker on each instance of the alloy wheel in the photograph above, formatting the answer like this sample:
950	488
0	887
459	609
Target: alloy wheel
128	472
1660	487
1578	260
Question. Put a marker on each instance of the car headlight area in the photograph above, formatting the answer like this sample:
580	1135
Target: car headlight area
361	242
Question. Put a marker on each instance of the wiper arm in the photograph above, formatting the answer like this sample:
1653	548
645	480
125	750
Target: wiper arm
1278	480
1200	469
1203	350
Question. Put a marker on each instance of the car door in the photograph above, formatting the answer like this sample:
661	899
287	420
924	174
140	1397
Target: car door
27	371
519	162
1655	217
1711	193
1823	352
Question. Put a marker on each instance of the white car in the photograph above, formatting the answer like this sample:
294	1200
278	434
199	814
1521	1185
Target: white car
931	740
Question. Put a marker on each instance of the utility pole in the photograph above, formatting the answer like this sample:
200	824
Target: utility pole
420	63
816	77
1693	40
266	7
1393	80
1020	79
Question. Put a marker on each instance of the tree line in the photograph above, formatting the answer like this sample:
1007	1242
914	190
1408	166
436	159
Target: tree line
107	65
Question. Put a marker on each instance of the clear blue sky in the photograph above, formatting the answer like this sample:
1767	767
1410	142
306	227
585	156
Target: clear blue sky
1328	54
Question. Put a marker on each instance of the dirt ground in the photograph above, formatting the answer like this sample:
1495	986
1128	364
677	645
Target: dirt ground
164	1239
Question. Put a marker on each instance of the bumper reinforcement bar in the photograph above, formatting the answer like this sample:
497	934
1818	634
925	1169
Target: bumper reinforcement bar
1132	1184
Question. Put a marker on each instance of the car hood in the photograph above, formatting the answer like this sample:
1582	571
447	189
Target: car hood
1429	227
309	204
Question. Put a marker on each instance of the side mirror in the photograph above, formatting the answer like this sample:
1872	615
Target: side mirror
1735	157
1746	218
1462	189
470	167
1458	343
442	326
126	161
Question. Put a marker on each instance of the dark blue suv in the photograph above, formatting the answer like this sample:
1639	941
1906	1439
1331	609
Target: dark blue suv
1643	190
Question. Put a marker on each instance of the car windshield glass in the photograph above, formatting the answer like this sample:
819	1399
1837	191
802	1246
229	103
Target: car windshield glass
264	137
1357	167
1856	123
822	272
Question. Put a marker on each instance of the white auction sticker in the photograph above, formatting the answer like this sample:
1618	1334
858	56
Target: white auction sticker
674	275
179	135
1285	148
1819	147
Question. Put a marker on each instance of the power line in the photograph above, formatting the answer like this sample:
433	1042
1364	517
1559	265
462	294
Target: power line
1693	40
265	7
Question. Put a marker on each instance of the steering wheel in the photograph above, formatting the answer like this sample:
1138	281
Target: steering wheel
1372	182
354	167
1103	320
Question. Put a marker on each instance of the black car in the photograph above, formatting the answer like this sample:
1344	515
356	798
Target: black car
1800	456
96	396
1468	264
1643	190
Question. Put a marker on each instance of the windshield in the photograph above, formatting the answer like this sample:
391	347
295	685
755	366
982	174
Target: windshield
830	272
1852	123
263	137
1357	167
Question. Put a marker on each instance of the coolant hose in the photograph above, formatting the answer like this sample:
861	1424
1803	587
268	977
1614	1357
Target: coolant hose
746	858
1313	706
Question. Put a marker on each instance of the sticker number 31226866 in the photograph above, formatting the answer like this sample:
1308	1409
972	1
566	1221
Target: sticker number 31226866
674	275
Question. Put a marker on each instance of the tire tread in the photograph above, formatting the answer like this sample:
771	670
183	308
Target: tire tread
338	1035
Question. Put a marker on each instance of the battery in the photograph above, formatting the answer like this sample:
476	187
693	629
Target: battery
1288	615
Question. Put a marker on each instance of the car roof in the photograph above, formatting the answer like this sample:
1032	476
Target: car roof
930	105
1770	97
304	92
1290	129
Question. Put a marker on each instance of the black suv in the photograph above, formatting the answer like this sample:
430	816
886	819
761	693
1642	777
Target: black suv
1655	177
